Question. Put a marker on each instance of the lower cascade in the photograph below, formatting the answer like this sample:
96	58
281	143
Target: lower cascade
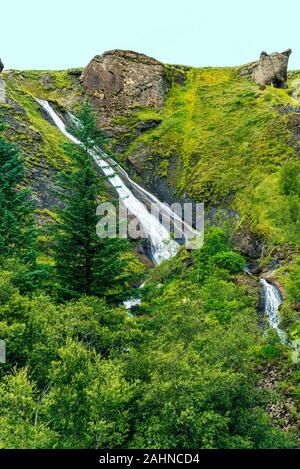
272	302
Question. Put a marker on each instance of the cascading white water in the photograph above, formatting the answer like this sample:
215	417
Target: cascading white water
272	302
162	246
191	235
193	238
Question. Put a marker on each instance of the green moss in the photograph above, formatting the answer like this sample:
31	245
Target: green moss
130	126
62	86
45	142
46	213
176	74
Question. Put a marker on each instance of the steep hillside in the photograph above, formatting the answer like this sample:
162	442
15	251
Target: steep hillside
40	142
219	139
223	141
195	341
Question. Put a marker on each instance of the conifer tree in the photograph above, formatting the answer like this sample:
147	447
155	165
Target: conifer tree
18	235
85	264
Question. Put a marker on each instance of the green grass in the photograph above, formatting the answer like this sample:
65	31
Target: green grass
220	140
224	142
40	142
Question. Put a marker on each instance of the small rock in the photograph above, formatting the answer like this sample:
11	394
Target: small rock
1	66
47	81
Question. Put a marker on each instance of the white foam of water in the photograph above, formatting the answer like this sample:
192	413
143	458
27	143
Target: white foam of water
273	300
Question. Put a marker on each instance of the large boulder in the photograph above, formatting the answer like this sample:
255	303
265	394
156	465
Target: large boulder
1	66
118	81
269	69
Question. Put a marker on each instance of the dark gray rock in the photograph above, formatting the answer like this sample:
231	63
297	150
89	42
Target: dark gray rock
1	66
248	244
117	82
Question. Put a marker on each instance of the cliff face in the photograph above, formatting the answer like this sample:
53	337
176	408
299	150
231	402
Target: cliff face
117	82
223	141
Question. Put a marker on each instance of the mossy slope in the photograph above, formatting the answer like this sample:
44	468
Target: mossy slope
221	141
41	143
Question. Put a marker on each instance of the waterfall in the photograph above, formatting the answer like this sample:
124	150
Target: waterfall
272	302
192	237
162	246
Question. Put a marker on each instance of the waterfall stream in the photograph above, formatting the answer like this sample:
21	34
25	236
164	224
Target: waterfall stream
272	302
162	246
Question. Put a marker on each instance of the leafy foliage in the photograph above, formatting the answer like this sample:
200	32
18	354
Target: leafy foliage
182	374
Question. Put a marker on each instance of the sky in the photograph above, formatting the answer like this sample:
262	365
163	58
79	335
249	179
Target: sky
59	34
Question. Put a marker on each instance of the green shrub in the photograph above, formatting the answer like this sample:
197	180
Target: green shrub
230	260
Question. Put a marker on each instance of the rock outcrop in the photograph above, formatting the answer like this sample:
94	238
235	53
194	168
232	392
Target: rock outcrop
1	66
269	69
118	81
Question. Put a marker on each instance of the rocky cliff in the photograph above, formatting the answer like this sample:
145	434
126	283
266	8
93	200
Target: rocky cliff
118	82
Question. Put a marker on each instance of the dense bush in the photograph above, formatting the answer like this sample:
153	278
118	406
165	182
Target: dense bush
229	260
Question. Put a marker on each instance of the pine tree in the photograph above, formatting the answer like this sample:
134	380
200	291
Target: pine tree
85	264
18	235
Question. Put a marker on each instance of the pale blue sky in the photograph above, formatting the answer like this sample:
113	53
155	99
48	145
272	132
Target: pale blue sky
57	34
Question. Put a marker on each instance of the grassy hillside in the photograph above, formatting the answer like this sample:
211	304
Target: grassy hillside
62	86
219	139
41	143
222	141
